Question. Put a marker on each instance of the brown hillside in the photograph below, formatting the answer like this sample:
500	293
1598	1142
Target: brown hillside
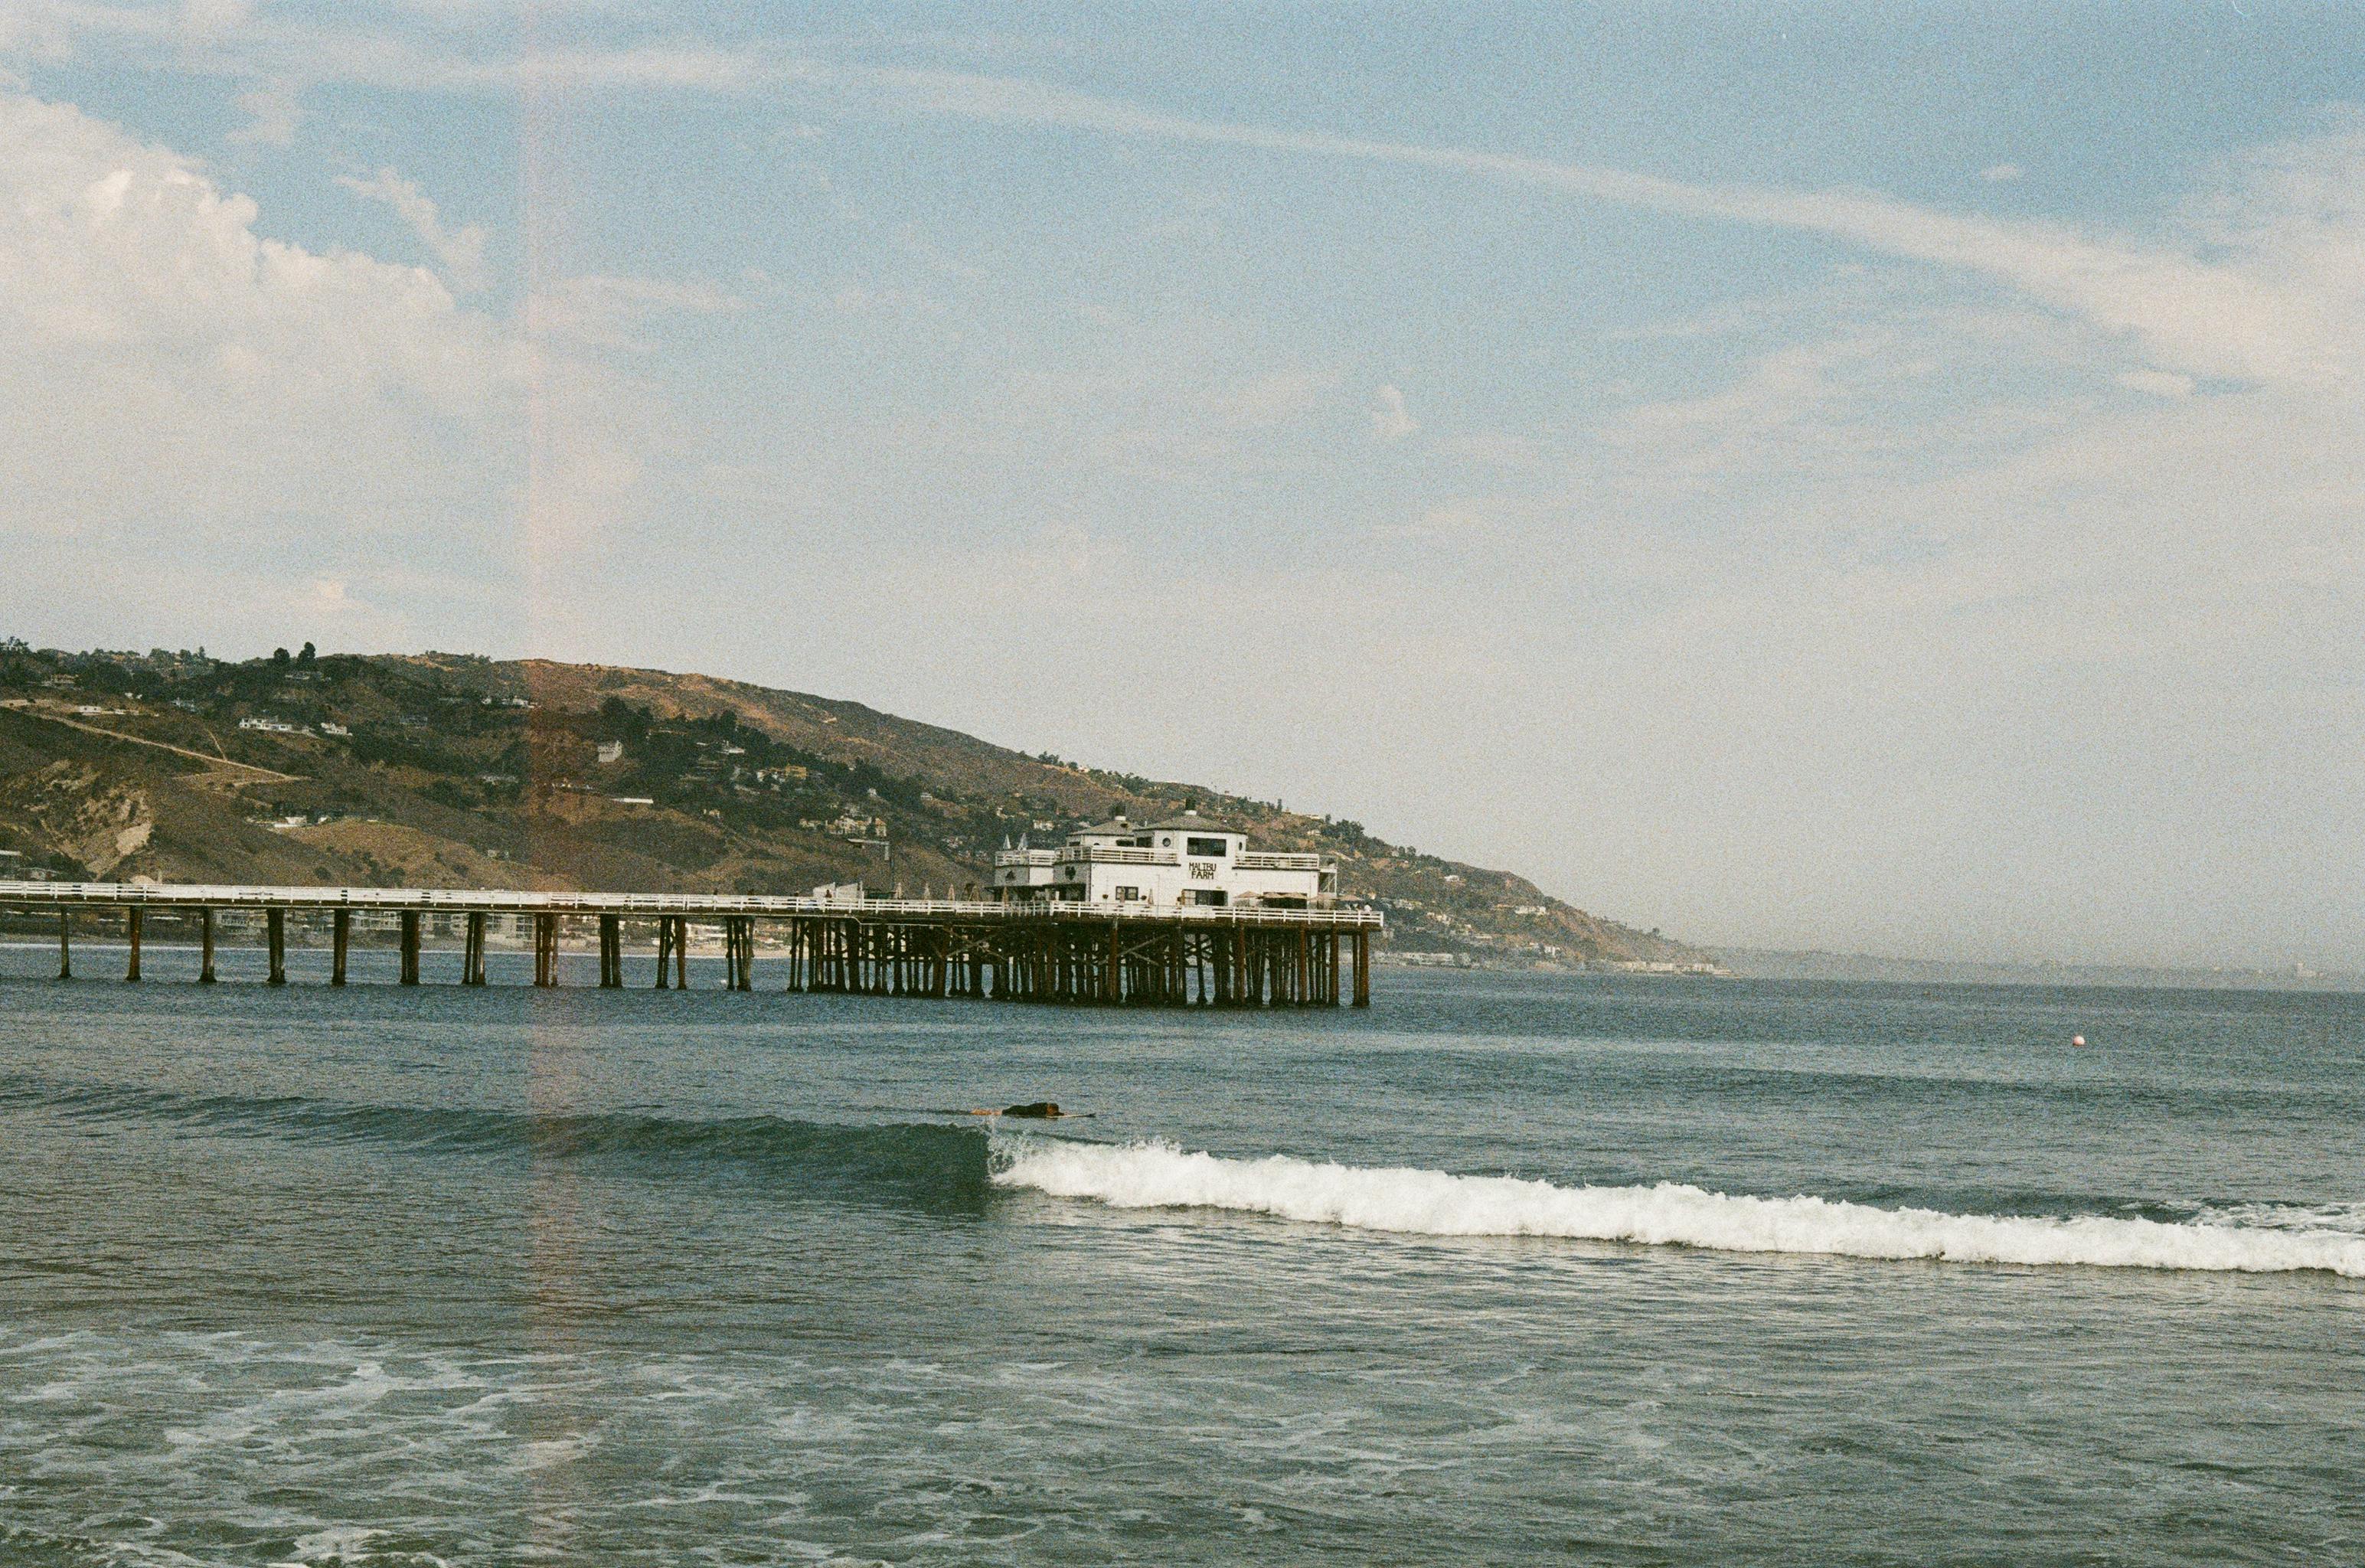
464	772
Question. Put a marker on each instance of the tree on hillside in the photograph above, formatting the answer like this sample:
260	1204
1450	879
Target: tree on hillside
623	722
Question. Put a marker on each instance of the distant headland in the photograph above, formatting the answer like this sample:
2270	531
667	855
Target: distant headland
459	770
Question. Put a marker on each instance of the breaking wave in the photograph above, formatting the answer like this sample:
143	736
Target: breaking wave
899	1159
1434	1202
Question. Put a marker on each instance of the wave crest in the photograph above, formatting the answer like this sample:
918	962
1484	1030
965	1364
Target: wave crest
1435	1202
923	1161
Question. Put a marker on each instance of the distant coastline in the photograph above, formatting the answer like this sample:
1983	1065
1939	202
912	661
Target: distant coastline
1763	963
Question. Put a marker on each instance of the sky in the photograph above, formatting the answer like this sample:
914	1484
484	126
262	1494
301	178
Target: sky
1852	476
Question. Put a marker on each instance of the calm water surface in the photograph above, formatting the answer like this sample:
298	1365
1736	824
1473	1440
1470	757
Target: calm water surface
398	1278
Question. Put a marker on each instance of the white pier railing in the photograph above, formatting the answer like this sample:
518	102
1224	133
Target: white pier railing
51	896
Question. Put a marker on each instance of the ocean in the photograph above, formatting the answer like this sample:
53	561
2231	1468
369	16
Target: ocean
1508	1270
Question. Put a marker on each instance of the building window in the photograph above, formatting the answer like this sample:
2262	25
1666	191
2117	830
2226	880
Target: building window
1128	895
1209	846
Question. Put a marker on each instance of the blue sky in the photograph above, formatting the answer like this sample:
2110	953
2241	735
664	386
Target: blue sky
1826	474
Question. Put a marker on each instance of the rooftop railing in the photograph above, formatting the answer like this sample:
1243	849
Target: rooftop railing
1110	854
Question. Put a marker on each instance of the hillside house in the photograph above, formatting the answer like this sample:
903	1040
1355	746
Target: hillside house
1182	860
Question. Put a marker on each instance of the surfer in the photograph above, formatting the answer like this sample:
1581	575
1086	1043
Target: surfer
1036	1110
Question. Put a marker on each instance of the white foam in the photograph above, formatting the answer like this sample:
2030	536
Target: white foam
1433	1203
2346	1219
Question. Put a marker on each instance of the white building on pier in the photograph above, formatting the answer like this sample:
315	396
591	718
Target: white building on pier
1184	861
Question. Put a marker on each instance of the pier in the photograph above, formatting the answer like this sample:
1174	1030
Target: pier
1041	950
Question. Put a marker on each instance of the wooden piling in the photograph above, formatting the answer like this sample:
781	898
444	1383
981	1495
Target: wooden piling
341	936
1363	969
739	952
611	952
545	950
65	944
205	947
274	926
410	971
131	940
472	953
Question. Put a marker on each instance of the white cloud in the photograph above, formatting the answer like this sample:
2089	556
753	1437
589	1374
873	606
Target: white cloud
599	310
215	16
460	251
218	431
274	112
1273	397
1456	524
2000	174
859	299
173	373
2158	383
1391	421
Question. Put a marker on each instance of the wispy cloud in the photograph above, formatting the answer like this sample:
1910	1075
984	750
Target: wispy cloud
2158	383
272	113
1273	397
605	311
461	252
2186	311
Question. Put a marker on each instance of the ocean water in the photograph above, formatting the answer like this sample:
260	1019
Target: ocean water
1506	1270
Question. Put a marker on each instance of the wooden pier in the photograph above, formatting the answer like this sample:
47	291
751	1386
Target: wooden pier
1046	951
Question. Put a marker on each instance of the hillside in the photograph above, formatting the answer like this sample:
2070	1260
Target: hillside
457	770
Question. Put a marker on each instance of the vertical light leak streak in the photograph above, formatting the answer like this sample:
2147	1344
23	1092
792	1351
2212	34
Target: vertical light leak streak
544	210
557	1491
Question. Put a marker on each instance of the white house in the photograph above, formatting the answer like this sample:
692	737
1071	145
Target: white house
1184	861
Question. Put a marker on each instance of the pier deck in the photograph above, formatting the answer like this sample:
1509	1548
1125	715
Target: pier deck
1036	951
